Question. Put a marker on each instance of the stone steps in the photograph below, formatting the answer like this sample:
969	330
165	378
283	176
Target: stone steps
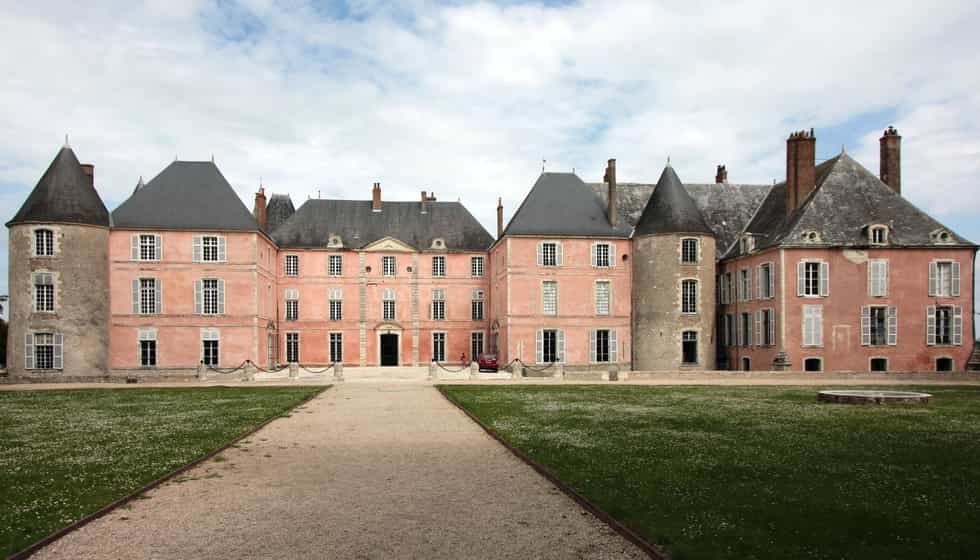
973	364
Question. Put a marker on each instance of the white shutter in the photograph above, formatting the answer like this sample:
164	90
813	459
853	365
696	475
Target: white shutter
592	253
29	351
800	277
159	244
221	296
539	347
558	255
931	325
884	278
196	249
824	279
158	295
135	247
748	284
818	322
872	278
957	325
540	253
865	325
738	330
561	346
612	255
892	325
222	249
59	351
772	327
758	327
592	348
136	296
758	282
613	347
772	280
933	269
956	278
198	297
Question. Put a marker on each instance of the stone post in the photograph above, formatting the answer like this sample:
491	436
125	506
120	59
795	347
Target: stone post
433	374
250	371
293	370
202	371
517	370
614	373
338	371
474	370
559	371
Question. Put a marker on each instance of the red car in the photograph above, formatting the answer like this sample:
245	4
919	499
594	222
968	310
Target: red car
488	362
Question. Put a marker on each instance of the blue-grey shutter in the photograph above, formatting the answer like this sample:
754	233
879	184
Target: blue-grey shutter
612	255
758	282
222	249
613	354
198	297
818	323
758	327
159	245
540	253
772	327
931	325
865	325
772	280
221	296
956	278
29	351
561	346
135	246
892	325
158	299
800	277
558	254
196	248
539	347
957	325
136	296
824	279
592	345
932	278
59	351
592	254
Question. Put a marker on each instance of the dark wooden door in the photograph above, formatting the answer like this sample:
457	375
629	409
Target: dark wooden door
389	349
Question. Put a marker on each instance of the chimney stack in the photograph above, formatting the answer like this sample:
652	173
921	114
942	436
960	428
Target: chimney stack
721	175
891	159
376	198
500	218
801	163
89	170
610	180
425	203
259	210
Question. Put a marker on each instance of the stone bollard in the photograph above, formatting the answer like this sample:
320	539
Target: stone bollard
517	370
614	373
338	371
293	370
474	369
433	374
559	371
250	371
202	372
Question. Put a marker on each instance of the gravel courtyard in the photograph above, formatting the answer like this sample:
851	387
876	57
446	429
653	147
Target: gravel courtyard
362	471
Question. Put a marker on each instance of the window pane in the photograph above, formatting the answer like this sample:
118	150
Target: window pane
476	267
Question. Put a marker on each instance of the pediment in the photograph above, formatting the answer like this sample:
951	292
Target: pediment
389	244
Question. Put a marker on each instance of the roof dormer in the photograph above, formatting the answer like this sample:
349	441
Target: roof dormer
877	234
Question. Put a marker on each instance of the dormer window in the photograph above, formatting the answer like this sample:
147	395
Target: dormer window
746	244
810	236
878	235
942	236
438	243
334	241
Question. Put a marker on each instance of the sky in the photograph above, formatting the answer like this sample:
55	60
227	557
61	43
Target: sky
471	99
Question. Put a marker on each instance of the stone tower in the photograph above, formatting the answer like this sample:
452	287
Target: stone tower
59	275
673	282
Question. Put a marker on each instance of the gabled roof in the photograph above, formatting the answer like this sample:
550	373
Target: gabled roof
561	204
358	225
671	209
191	195
279	209
847	198
64	194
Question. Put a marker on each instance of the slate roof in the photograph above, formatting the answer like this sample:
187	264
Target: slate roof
279	209
358	226
846	199
561	204
671	209
191	195
64	194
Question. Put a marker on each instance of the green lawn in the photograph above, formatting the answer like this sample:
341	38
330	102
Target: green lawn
757	472
67	453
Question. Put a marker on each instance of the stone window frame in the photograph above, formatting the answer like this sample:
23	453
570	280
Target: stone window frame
291	296
610	254
437	311
878	230
483	344
199	248
389	266
935	267
609	297
211	334
683	253
819	360
57	350
612	353
478	305
388	300
147	335
770	286
340	346
335	271
823	278
697	347
544	303
38	278
879	288
557	254
817	338
445	345
291	265
298	345
477	270
137	247
335	296
697	295
935	363
439	266
55	242
871	360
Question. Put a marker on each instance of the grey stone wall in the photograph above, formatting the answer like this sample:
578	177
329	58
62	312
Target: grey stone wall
658	323
81	274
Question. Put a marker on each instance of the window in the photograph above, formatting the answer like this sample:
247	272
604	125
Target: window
549	297
944	278
209	248
813	364
292	265
812	278
476	345
602	346
212	296
388	305
746	244
602	288
476	267
550	346
336	304
689	296
728	334
438	267
148	303
388	267
43	243
879	364
767	336
292	348
944	364
476	305
879	326
210	355
148	348
745	285
336	347
602	255
878	278
812	325
439	347
765	283
43	292
335	265
689	347
746	363
745	329
438	305
549	253
878	235
292	304
689	251
43	351
944	325
147	247
725	288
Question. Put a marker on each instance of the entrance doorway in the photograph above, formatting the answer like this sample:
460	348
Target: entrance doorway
389	350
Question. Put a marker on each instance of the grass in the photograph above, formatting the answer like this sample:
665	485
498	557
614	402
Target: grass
757	472
66	453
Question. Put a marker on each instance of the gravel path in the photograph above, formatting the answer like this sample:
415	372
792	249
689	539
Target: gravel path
362	471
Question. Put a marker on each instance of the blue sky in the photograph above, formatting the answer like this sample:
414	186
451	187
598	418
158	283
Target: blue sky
467	98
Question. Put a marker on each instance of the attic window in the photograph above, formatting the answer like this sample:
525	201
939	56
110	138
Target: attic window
334	241
942	236
438	243
878	235
811	236
747	244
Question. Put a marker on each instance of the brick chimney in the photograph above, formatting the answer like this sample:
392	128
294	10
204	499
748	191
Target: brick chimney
259	210
500	218
610	180
425	203
801	163
89	170
721	175
376	198
891	159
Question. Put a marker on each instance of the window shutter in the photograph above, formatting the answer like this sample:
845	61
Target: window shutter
772	327
957	325
592	254
758	327
800	277
758	282
884	278
539	347
135	246
198	297
824	279
872	278
748	284
956	278
59	351
561	346
136	295
932	278
612	255
540	253
592	352
196	248
158	239
772	280
29	351
221	296
158	295
222	249
865	325
818	324
613	347
930	325
892	325
558	255
738	330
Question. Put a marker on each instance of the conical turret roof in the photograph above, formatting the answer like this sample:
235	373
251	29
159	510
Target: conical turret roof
671	209
65	194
